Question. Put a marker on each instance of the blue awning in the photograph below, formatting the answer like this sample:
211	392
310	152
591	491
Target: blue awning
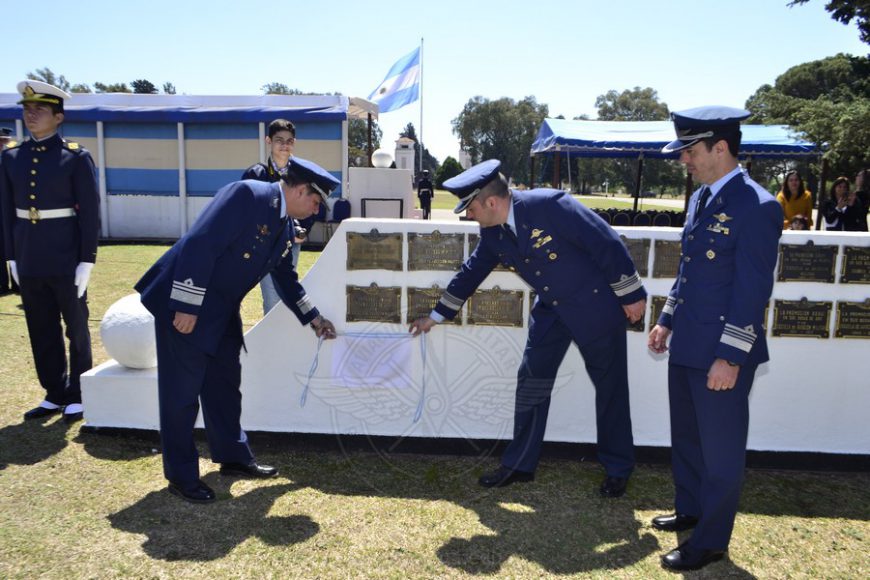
631	138
134	108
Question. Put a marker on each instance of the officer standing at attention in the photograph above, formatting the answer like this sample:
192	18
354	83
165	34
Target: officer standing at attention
48	189
425	194
586	285
714	316
281	140
195	291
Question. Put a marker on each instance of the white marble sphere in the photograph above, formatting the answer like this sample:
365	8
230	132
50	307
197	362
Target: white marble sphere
382	159
127	330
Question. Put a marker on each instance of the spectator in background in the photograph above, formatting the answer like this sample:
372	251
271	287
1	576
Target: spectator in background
799	222
862	188
281	141
842	210
795	200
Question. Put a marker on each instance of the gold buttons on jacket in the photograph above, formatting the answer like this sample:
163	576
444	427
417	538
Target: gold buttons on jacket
553	256
35	160
246	255
711	254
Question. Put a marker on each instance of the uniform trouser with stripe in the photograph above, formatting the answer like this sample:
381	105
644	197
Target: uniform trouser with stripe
708	441
47	300
606	363
186	376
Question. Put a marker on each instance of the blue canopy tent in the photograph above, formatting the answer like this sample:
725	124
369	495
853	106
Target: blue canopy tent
645	139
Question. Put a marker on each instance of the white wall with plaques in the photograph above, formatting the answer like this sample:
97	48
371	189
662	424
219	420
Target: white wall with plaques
812	396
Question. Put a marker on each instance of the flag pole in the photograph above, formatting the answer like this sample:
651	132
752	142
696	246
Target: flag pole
420	164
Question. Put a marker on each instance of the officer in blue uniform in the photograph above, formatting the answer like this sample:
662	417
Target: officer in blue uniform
714	317
281	140
7	285
48	188
195	291
586	285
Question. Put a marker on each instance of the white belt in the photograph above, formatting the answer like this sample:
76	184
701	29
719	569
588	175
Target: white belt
44	214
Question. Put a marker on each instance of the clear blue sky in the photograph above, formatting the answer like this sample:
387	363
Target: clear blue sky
565	53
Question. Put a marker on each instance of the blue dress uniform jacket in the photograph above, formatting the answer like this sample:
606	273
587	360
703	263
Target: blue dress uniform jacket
575	262
716	305
239	238
44	175
716	310
582	274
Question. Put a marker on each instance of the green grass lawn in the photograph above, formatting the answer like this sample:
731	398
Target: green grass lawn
86	505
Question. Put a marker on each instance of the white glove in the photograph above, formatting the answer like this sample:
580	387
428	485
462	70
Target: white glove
13	269
83	274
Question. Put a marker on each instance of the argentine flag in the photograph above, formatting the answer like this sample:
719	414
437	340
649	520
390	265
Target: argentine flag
401	85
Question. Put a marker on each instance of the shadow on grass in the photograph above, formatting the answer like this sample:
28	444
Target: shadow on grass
32	441
177	530
558	521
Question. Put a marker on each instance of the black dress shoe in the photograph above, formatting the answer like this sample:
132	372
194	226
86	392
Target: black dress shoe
674	522
504	476
613	486
40	412
253	470
198	492
688	558
72	417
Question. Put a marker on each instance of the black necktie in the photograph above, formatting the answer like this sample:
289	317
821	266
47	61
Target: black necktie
509	233
702	203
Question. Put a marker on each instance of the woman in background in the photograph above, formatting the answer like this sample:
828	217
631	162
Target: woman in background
795	200
843	211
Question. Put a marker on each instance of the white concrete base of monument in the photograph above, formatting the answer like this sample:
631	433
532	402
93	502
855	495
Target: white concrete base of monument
811	397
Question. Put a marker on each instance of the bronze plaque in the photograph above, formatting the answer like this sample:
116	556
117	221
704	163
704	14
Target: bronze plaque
421	301
801	318
853	320
435	251
808	263
639	252
374	251
496	307
667	259
658	303
374	304
473	239
856	265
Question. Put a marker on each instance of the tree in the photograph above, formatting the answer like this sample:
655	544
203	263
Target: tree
635	104
80	88
279	89
503	129
169	88
450	168
825	101
47	76
143	87
112	88
429	162
357	141
845	10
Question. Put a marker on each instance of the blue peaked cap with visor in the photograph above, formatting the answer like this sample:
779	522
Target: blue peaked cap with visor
693	125
468	184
